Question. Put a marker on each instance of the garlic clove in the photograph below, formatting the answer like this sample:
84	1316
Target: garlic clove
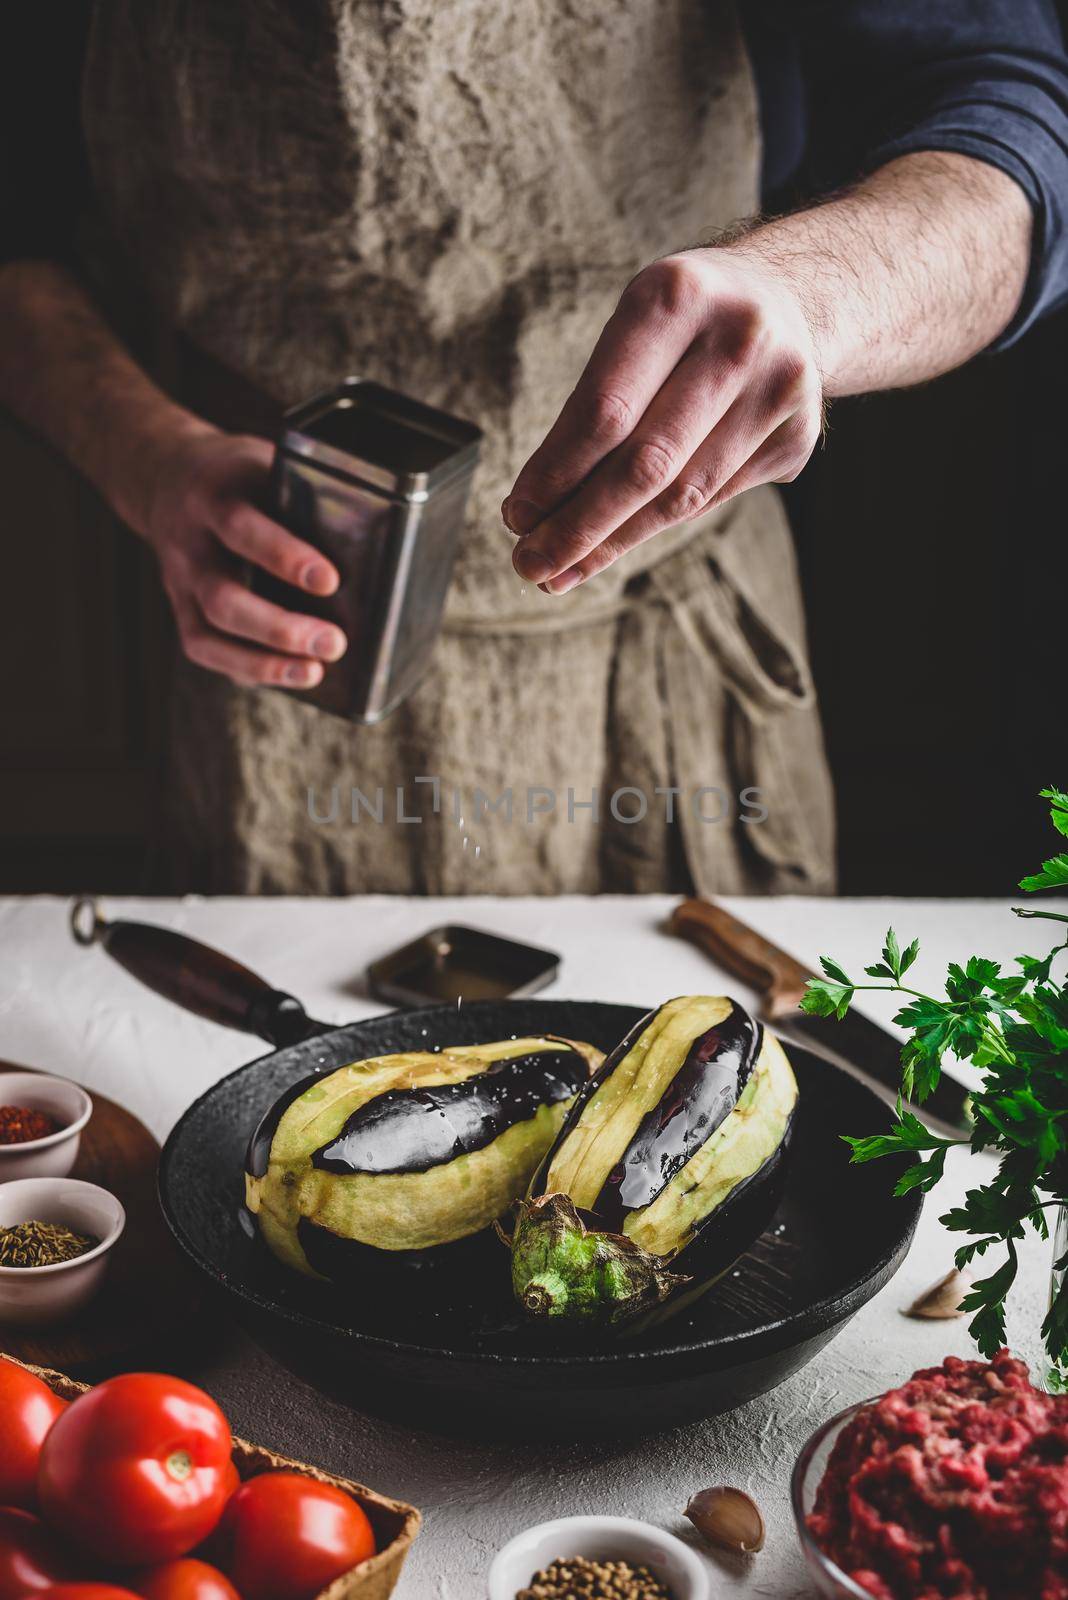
942	1300
728	1518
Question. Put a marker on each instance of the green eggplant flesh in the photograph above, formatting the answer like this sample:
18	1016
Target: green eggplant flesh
666	1168
406	1153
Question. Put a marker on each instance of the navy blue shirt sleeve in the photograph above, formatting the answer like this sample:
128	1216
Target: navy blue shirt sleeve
845	86
848	85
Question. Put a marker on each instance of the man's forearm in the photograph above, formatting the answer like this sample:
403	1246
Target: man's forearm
65	373
192	492
906	276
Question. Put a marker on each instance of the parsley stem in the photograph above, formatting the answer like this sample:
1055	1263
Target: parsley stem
897	988
992	1036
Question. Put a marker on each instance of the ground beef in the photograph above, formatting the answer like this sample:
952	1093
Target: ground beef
956	1484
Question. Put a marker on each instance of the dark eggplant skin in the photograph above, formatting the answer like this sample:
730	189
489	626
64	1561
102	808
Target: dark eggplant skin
699	1098
258	1153
400	1155
726	1235
409	1130
348	1261
617	1222
583	1098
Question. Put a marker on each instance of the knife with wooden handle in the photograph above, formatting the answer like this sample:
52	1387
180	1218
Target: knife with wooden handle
780	981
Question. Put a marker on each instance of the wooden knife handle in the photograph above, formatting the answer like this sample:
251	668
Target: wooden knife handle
744	952
195	976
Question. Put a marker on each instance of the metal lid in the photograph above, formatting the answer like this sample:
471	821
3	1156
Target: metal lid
381	438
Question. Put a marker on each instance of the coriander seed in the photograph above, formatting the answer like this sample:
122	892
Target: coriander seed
577	1578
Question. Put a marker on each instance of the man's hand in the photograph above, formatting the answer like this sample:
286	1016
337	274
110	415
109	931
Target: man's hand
711	375
190	491
201	520
704	382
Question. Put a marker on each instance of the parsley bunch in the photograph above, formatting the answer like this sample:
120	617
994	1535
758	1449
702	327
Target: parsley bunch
1014	1027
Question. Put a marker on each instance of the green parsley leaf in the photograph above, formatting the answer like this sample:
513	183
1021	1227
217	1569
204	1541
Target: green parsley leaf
1052	875
824	998
1013	1027
908	957
1058	809
924	1175
892	952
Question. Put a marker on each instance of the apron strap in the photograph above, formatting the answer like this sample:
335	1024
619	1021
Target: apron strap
724	625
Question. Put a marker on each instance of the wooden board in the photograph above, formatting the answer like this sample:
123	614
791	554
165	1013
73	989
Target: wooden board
150	1297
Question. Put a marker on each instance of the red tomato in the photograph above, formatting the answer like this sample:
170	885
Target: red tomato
28	1409
287	1536
138	1469
84	1591
29	1560
184	1580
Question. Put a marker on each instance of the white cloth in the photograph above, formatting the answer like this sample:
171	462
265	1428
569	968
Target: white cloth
73	1011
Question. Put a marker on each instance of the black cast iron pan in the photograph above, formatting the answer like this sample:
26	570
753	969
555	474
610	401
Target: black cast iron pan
438	1342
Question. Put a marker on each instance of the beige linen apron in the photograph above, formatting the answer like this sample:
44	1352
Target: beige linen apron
449	196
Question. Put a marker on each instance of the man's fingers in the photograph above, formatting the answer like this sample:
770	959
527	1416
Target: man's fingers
746	449
690	404
244	664
248	533
693	490
655	322
232	608
779	460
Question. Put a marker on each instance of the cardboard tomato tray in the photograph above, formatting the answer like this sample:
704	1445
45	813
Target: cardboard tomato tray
395	1524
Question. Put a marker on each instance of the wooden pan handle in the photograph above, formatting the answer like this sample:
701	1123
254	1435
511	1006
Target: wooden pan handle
195	976
744	952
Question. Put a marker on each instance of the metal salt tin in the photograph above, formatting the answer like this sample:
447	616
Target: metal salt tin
457	963
379	483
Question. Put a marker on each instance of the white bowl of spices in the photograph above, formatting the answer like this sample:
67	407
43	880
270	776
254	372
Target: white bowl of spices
56	1235
604	1558
41	1121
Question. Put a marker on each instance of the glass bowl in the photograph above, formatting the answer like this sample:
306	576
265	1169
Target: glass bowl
829	1579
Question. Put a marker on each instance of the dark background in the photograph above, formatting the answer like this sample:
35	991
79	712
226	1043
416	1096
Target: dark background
931	531
932	537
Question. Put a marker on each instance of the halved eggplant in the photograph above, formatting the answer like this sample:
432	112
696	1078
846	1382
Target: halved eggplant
673	1150
408	1152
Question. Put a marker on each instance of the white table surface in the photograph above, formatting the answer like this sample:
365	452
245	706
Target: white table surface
73	1011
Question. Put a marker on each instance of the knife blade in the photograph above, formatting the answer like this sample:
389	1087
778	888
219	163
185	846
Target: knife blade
856	1041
